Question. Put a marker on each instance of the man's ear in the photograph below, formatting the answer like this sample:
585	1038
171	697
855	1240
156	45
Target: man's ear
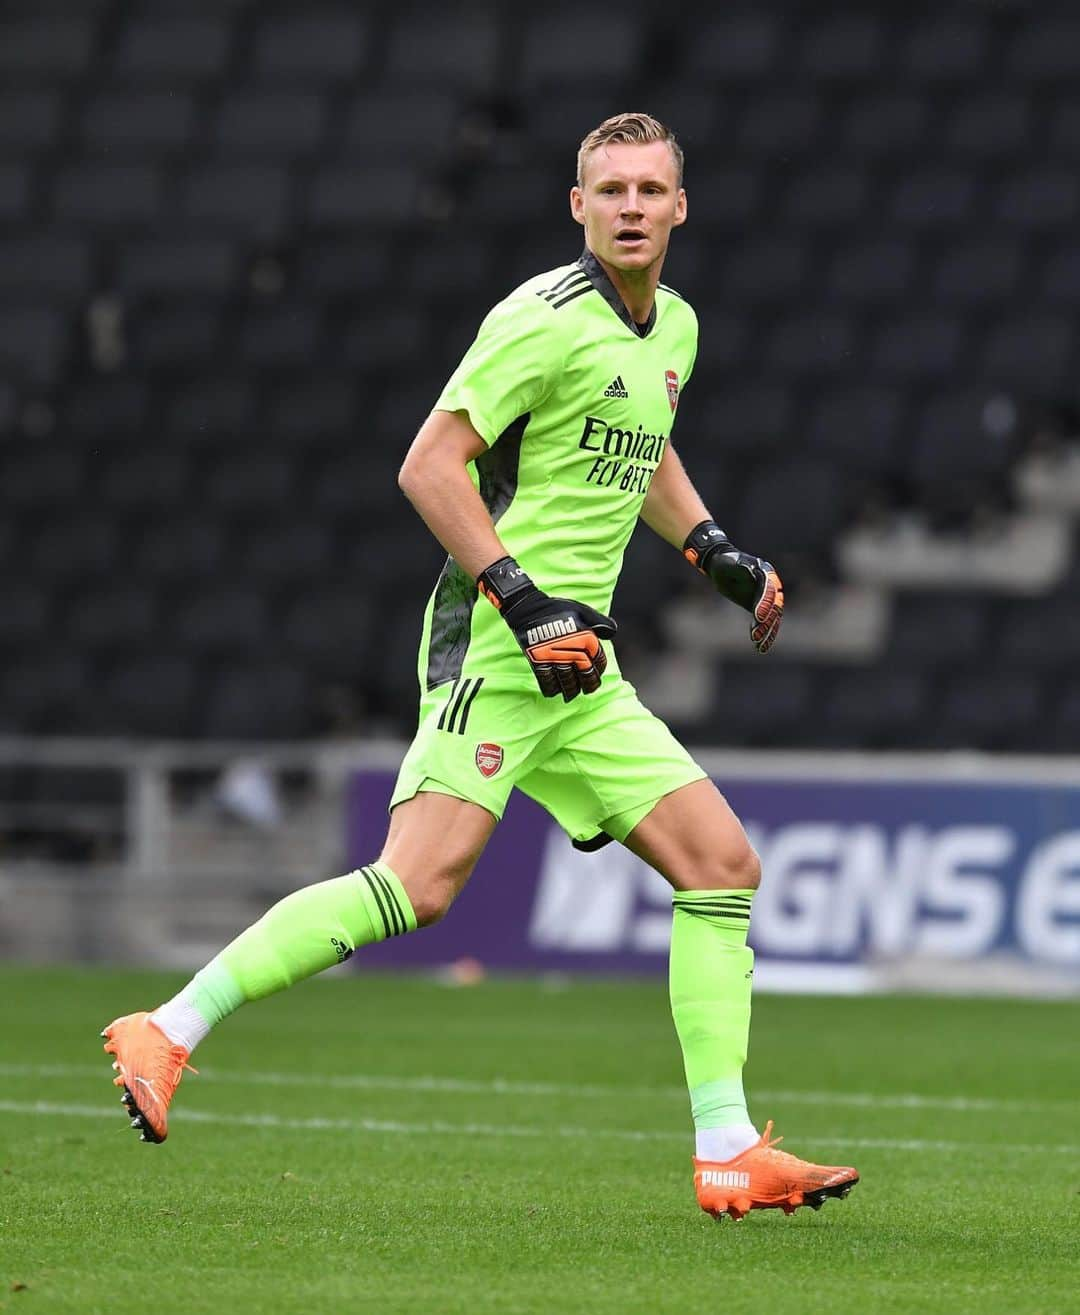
680	209
577	205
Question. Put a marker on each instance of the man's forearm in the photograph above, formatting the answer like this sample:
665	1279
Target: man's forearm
672	505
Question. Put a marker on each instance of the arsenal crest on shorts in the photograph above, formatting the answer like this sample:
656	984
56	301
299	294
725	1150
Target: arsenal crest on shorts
489	758
672	381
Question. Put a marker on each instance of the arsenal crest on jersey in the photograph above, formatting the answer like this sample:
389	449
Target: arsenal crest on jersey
672	381
489	758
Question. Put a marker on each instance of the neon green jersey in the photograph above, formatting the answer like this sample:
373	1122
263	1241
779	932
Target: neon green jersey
576	403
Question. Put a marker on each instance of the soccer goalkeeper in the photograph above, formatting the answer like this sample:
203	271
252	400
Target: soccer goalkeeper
551	439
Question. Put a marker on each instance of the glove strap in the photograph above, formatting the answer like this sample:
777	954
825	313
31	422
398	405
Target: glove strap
702	541
503	583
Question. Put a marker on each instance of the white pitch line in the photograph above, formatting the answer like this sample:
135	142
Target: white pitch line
440	1128
509	1087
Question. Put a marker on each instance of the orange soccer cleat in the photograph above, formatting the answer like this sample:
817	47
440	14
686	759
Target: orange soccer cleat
763	1178
149	1068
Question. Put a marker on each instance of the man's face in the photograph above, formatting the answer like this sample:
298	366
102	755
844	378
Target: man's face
629	202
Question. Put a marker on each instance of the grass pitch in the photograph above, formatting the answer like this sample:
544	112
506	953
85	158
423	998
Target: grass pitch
381	1144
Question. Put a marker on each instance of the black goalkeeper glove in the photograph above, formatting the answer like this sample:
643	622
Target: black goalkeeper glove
749	581
560	638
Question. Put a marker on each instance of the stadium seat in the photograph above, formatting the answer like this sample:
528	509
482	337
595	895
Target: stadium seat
328	630
134	123
138	478
103	409
417	45
813	343
176	336
249	480
926	346
885	125
859	426
320	47
35	477
102	195
213	408
74	545
58	265
948	49
252	200
872	272
561	46
735	47
182	266
281	337
829	199
259	122
729	199
15	192
1040	634
763	269
150	695
31	119
929	199
784	124
986	126
43	690
872	709
34	341
345	268
1042	199
175	549
221	619
267	701
294	551
25	618
989	710
932	632
416	125
1032	352
1060	283
748	417
120	619
1047	50
980	273
755	705
844	47
348	198
45	47
313	406
173	47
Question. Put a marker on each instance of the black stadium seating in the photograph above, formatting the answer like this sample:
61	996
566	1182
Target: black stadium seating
243	243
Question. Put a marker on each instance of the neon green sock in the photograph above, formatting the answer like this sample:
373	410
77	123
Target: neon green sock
711	969
302	934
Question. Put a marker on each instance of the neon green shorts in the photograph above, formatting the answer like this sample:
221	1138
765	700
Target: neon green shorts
597	764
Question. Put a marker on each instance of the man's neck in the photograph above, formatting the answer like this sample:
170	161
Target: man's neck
636	287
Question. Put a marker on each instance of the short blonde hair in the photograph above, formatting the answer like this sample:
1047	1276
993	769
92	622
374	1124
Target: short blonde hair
629	128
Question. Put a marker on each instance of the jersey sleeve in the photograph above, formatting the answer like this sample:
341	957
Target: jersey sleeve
510	368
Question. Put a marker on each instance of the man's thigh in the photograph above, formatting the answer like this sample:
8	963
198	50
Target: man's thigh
693	838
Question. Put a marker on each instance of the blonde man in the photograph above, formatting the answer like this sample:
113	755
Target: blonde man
550	441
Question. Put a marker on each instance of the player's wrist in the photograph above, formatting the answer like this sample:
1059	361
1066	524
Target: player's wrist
703	542
504	583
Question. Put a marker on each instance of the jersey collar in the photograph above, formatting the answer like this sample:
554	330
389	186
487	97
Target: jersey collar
600	281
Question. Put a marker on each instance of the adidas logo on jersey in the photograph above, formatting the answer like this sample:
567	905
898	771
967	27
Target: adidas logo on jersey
616	388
